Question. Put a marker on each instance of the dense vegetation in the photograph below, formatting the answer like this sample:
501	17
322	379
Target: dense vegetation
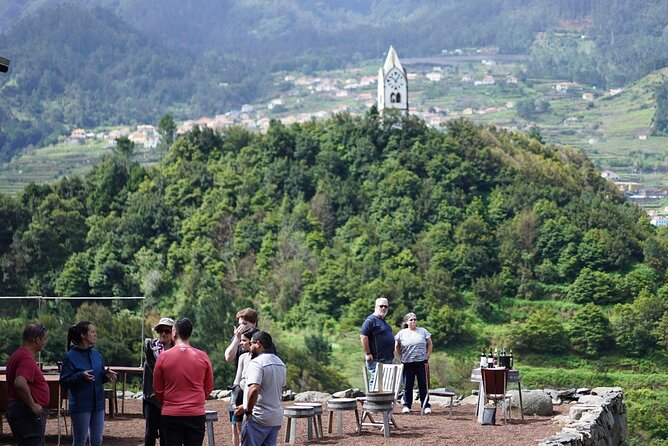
470	227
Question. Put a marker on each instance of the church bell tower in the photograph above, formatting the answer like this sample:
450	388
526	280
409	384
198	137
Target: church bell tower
392	84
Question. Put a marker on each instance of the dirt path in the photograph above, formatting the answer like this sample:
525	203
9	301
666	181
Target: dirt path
436	429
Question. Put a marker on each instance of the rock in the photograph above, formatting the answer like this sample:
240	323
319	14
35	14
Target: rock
567	393
577	410
312	396
604	390
348	393
554	394
443	401
471	399
591	399
562	420
534	401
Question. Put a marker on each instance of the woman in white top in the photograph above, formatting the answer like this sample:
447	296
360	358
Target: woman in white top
237	396
413	345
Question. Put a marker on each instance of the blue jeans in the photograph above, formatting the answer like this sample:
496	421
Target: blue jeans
82	423
371	367
256	434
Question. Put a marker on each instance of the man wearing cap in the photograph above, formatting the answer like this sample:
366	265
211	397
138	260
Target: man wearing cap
152	407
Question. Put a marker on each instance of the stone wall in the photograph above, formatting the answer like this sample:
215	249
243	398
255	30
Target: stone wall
598	419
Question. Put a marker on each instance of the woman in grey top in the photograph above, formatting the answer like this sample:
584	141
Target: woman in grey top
413	345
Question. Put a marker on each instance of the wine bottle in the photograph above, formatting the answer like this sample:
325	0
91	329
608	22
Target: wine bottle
496	357
512	359
503	359
490	359
483	359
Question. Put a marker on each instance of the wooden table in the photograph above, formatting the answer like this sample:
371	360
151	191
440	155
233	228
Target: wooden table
513	377
124	371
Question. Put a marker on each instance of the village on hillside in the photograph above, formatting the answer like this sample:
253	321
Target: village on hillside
485	91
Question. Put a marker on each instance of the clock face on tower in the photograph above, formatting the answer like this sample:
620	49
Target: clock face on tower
395	81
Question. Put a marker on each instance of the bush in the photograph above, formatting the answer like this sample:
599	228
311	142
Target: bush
589	330
542	332
632	333
319	348
592	286
448	326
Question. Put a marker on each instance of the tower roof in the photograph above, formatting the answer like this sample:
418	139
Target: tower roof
392	60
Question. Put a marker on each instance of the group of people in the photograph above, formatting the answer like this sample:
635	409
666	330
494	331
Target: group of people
412	344
82	374
178	378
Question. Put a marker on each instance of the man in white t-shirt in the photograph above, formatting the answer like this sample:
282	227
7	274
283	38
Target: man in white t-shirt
263	394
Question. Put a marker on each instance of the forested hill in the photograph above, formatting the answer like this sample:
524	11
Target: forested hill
312	222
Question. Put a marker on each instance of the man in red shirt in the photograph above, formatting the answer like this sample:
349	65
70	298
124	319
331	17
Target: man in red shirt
182	380
27	390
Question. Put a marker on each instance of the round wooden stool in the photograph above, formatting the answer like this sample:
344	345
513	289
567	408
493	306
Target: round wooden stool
338	406
292	413
317	416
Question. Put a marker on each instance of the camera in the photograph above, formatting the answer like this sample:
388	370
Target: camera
4	65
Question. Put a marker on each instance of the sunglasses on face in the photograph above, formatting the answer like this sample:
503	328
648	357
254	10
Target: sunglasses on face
382	306
164	331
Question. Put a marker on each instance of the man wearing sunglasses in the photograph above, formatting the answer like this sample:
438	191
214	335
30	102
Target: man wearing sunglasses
152	349
27	389
377	339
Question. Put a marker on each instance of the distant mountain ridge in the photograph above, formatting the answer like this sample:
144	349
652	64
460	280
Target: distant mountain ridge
88	63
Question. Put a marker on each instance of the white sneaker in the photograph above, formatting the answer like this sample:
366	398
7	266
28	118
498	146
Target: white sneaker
405	409
427	410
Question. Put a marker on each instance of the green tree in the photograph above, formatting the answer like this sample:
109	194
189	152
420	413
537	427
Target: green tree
589	330
542	332
633	335
592	286
166	130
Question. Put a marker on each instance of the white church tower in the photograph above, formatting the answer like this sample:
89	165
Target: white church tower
392	84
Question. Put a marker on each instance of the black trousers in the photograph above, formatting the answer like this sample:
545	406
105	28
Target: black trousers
414	370
182	431
152	431
27	428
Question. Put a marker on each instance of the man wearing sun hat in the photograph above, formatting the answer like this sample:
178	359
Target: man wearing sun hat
152	407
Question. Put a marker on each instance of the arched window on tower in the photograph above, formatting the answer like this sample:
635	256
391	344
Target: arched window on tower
398	97
393	98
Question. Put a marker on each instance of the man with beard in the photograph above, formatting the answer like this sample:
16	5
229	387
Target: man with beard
152	349
263	394
377	339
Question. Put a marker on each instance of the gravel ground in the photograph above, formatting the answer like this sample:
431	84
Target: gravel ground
433	429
